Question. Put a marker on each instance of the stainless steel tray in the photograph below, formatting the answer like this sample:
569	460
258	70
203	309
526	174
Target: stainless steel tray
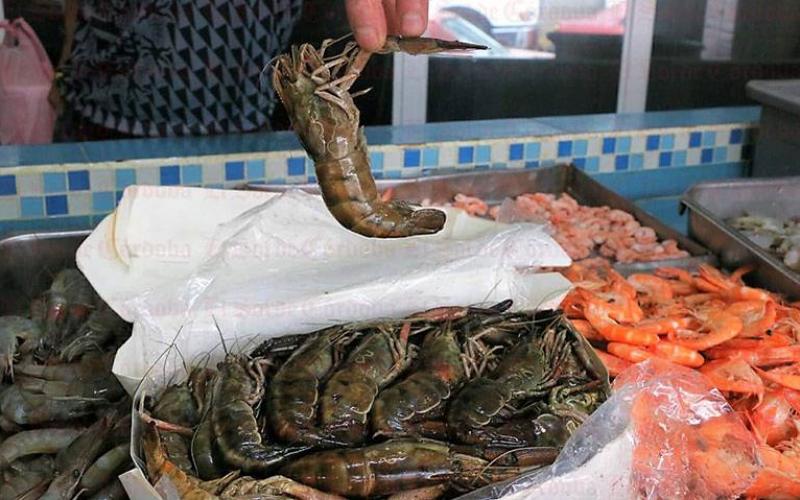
710	204
494	187
28	262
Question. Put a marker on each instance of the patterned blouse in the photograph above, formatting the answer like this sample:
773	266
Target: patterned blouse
177	67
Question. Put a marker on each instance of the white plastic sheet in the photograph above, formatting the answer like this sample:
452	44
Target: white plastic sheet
190	266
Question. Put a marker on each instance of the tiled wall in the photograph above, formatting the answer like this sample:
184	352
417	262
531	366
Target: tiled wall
82	194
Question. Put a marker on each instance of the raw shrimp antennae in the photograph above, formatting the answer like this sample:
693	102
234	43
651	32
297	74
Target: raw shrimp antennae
160	356
221	338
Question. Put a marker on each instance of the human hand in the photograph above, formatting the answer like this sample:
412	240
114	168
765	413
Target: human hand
371	20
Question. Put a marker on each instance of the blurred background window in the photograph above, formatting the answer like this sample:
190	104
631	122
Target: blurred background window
548	57
717	46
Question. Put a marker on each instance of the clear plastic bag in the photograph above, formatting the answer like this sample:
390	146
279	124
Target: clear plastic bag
664	433
286	266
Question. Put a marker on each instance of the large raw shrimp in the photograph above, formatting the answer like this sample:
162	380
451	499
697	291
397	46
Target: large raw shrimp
316	93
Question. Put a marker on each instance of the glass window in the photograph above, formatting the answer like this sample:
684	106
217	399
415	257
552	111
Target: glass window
705	51
545	58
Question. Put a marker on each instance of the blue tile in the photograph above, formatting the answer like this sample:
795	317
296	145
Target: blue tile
393	174
312	179
720	154
695	139
709	138
31	206
499	166
295	165
580	147
376	161
533	150
624	145
668	142
707	155
8	185
564	148
103	201
192	174
609	145
118	196
483	154
666	181
679	158
621	162
466	154
593	164
234	170
515	152
665	159
255	169
411	158
78	180
430	157
56	205
736	136
532	164
580	163
170	175
54	182
481	168
124	177
653	142
637	161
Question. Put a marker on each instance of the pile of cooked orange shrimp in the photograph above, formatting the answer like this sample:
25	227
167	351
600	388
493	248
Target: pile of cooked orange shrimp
745	340
582	231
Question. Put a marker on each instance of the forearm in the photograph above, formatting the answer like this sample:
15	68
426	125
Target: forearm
70	24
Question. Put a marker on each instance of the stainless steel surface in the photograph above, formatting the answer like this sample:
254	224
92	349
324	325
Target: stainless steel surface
710	204
494	187
27	263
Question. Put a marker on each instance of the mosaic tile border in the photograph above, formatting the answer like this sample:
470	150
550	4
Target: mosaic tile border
93	189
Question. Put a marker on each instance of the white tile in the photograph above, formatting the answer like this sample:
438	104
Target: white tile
607	163
30	184
148	176
693	157
499	151
214	172
651	159
101	180
512	165
80	203
735	152
274	168
393	159
638	143
549	150
411	172
682	140
9	207
722	137
595	147
448	155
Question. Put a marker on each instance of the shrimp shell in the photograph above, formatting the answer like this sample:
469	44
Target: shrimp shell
34	442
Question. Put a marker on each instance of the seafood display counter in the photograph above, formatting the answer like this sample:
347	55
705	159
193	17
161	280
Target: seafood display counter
496	187
757	207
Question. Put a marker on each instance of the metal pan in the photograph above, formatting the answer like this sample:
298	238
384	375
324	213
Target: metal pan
496	186
28	262
710	204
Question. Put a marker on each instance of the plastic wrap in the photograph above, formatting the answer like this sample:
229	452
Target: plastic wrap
285	266
664	433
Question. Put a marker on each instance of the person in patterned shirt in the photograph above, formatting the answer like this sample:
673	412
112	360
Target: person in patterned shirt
163	68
